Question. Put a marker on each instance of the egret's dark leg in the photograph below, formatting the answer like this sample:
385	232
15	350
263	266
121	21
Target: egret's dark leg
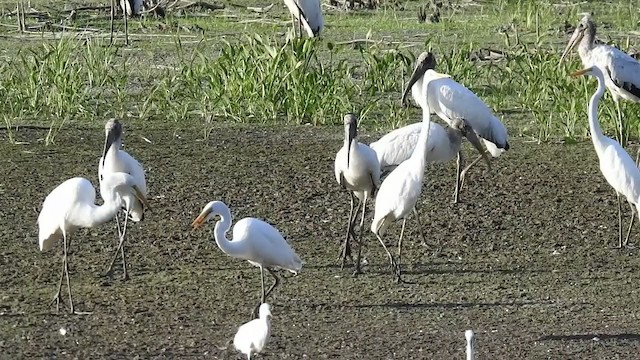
120	250
633	216
265	295
66	272
398	262
56	298
424	237
619	221
456	193
113	14
126	26
394	266
360	240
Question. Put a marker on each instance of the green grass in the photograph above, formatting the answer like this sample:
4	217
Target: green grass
240	66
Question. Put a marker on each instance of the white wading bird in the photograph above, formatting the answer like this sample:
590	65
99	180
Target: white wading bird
116	160
622	72
400	191
616	165
252	337
129	8
308	14
357	170
471	344
444	144
71	205
253	240
456	105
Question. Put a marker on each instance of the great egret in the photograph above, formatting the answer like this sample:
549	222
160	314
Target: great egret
357	170
129	8
616	165
621	70
444	144
71	205
308	14
253	240
252	337
457	106
115	160
400	191
471	344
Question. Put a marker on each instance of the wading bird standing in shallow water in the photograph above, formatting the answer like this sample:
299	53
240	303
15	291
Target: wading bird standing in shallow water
471	344
400	191
621	71
458	107
253	240
616	165
252	337
71	205
116	160
308	14
357	170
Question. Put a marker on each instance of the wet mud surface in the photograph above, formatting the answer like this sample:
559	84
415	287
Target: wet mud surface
525	260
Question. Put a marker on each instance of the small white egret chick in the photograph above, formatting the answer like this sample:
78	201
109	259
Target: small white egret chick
252	337
471	343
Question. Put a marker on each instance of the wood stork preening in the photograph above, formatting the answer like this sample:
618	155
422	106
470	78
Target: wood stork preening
253	240
116	160
399	193
457	106
622	72
308	14
444	144
71	205
357	170
130	8
471	344
252	337
616	165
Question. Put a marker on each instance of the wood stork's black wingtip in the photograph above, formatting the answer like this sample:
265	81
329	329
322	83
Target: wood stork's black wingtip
506	146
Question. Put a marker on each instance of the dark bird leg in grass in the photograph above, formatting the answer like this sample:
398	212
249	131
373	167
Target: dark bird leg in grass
113	13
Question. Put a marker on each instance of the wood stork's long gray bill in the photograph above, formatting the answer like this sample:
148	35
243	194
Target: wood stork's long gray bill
114	132
351	131
575	39
473	138
425	61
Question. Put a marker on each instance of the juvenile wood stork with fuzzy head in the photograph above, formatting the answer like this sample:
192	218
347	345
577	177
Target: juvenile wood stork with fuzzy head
456	105
621	71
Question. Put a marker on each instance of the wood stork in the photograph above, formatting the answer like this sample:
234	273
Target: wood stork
253	240
471	344
115	160
400	191
252	337
616	165
308	14
622	72
130	8
456	105
71	205
444	144
357	170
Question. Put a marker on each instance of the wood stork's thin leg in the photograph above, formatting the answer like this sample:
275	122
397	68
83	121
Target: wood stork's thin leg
120	250
113	14
399	261
360	239
620	125
619	221
633	216
394	267
57	297
265	295
126	25
345	249
456	193
424	237
66	273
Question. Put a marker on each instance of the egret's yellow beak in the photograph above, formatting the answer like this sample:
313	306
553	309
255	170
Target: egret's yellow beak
580	72
199	221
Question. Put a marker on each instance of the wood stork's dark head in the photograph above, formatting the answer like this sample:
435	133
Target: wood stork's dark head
113	133
350	132
586	27
425	61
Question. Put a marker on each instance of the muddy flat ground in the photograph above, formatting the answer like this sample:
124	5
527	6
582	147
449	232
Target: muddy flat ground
524	260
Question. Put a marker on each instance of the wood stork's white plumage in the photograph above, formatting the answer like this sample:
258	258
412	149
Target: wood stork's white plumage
254	240
399	193
130	8
308	14
444	144
471	344
621	71
115	160
616	165
357	169
253	336
71	205
456	105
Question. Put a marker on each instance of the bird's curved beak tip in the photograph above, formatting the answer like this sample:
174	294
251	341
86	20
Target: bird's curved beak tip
198	222
579	73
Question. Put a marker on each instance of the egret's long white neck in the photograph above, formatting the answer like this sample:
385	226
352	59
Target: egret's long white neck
222	227
420	151
471	338
596	132
110	188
